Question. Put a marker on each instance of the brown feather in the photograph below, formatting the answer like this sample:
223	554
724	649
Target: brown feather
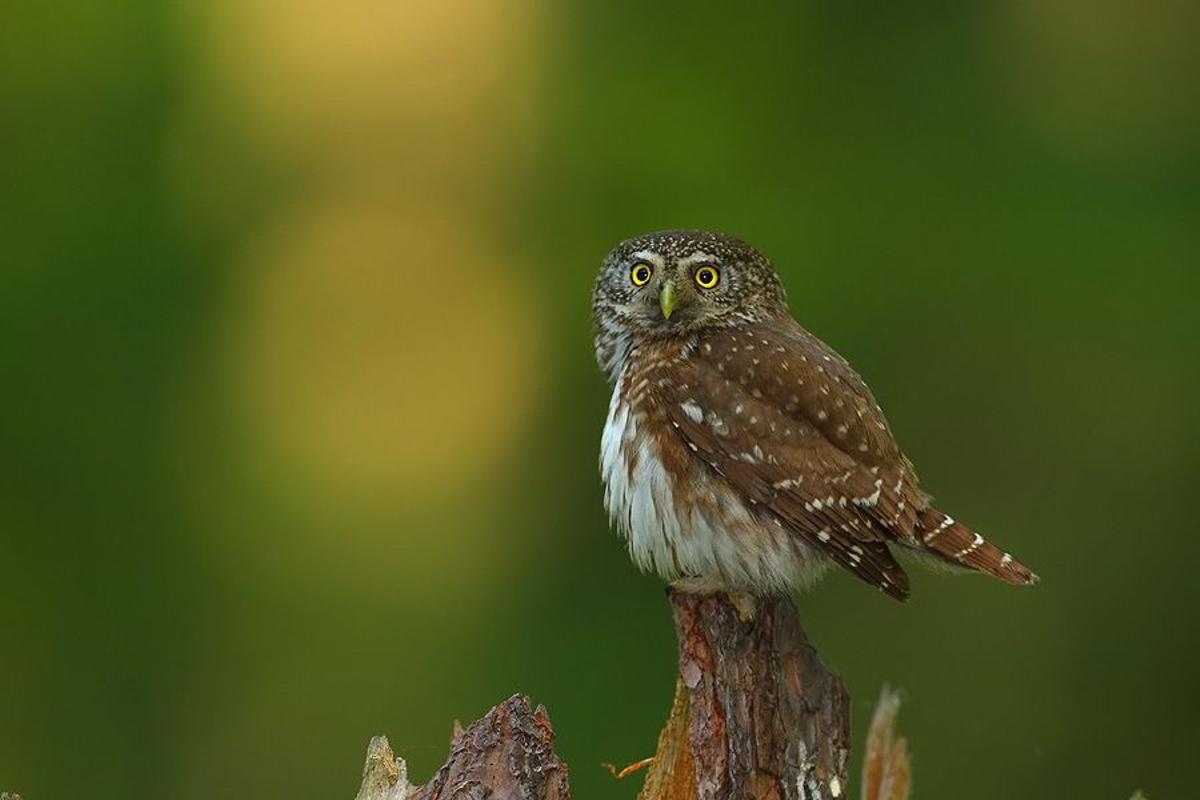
958	544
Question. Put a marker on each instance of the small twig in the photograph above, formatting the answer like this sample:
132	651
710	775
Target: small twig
887	774
629	770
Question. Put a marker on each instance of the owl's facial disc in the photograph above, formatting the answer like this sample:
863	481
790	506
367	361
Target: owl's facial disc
668	293
675	283
687	292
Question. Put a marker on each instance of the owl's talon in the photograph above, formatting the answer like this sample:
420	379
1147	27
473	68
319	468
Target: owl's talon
746	605
697	585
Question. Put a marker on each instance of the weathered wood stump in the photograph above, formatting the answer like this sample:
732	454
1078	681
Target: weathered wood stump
756	713
509	753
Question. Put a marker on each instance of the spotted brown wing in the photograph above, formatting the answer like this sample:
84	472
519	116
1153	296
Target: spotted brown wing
780	461
809	382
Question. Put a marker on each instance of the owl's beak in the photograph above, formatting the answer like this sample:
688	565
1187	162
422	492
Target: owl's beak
667	299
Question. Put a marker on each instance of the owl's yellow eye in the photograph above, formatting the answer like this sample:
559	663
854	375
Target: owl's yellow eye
707	277
640	275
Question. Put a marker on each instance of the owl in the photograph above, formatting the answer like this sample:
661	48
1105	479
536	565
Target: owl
740	451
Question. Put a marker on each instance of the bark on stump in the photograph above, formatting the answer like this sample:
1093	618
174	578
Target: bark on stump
506	755
756	714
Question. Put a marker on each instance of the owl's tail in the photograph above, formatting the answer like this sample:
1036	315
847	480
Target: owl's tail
958	544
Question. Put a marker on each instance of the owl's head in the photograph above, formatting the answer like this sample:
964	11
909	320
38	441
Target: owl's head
675	283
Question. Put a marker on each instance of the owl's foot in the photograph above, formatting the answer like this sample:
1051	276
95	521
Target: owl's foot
746	605
697	585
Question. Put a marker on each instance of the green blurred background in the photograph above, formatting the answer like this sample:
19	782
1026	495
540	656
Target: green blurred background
299	420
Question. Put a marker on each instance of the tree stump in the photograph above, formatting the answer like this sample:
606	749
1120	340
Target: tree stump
508	754
756	713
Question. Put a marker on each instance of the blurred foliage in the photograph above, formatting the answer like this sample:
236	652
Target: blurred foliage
300	416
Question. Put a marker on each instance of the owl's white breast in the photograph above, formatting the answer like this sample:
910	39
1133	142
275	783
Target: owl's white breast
637	490
721	540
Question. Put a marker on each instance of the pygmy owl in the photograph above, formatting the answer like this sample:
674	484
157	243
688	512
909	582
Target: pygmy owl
740	451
